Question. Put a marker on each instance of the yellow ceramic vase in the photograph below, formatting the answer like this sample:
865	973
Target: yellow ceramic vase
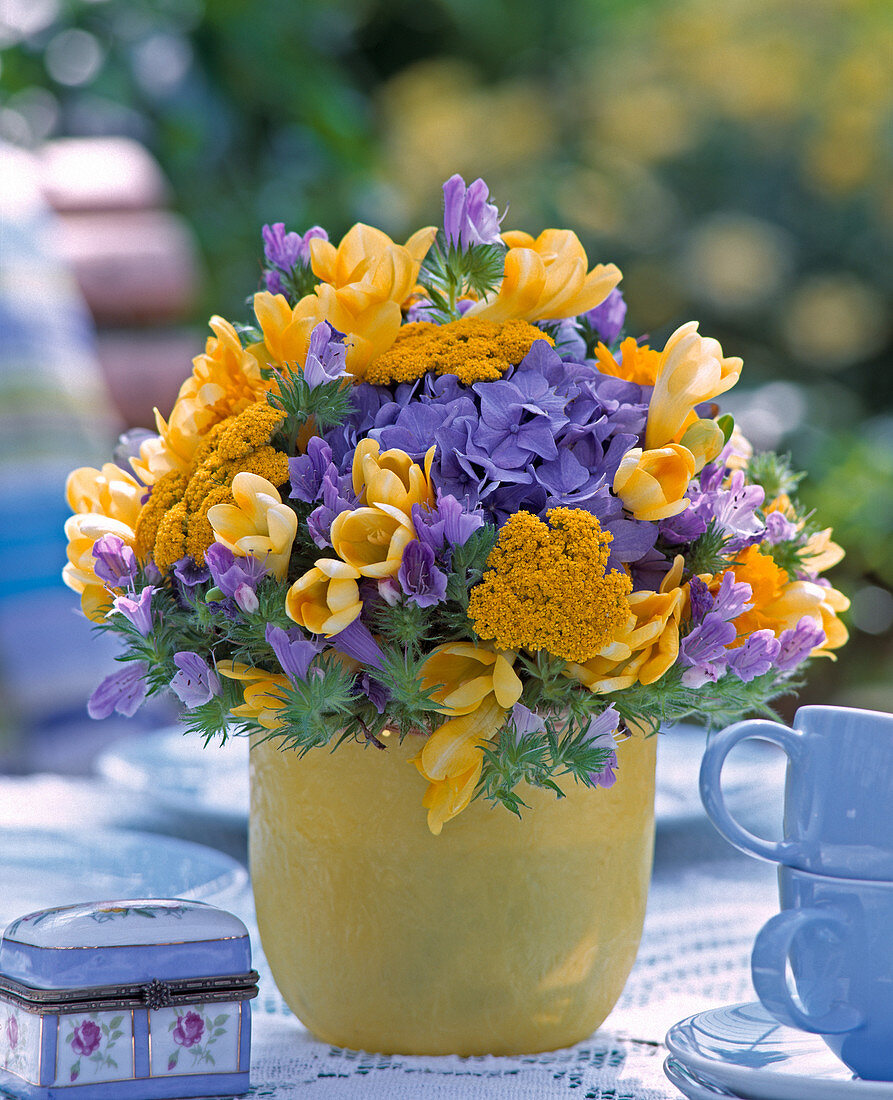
499	936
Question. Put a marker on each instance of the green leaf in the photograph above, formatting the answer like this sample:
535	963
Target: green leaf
726	424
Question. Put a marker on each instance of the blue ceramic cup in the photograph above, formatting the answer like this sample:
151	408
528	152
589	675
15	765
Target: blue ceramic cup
838	802
836	933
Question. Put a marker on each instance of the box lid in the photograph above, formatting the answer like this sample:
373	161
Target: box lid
124	943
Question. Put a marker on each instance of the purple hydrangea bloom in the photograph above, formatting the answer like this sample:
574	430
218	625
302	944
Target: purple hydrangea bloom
756	656
306	471
293	650
419	577
337	497
229	572
468	217
123	692
600	734
196	682
138	611
607	319
115	561
796	644
325	357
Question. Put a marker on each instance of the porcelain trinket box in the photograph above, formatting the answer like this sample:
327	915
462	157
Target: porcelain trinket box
129	1000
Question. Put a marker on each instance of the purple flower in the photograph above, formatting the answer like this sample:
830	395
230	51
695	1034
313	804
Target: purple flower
86	1038
325	357
600	734
273	281
307	471
123	692
606	320
115	561
732	598
245	598
356	641
285	250
419	577
796	644
468	217
700	598
189	573
377	694
188	1029
446	524
293	650
524	721
196	682
756	656
337	497
705	651
734	510
138	611
779	528
229	572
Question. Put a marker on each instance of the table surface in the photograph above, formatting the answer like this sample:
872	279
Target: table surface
706	904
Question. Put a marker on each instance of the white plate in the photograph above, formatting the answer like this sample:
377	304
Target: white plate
747	1051
692	1086
41	868
173	767
752	778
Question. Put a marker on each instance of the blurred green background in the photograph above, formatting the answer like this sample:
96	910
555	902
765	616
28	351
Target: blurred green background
732	156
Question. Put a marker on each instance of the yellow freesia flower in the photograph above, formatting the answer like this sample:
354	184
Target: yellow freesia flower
105	502
262	693
647	646
368	267
225	380
692	370
638	363
821	552
462	676
546	279
391	478
258	525
372	540
326	599
705	440
452	760
652	483
364	282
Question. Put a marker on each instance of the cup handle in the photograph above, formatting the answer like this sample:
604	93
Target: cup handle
718	748
768	964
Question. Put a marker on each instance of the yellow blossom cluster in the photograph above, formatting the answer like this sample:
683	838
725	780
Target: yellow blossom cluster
548	588
472	349
174	521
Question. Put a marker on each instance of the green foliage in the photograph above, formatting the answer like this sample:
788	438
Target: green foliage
466	570
448	273
328	404
706	554
317	708
774	473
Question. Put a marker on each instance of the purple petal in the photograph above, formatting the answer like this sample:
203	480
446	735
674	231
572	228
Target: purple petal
123	692
796	644
356	641
419	577
196	682
138	611
115	561
293	650
607	319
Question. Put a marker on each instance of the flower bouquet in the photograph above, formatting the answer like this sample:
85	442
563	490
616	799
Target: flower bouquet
431	501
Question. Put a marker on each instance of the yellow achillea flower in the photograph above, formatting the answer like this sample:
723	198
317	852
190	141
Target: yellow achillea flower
461	676
473	349
647	644
258	525
225	380
452	759
638	362
652	484
174	521
326	599
779	603
262	693
546	279
692	370
105	502
547	588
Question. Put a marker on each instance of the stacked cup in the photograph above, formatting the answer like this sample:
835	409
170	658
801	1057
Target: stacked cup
835	879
